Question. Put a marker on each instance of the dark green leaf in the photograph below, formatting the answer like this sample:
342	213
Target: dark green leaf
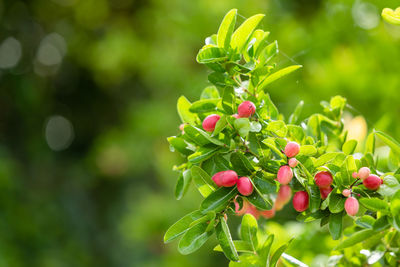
228	99
218	200
202	154
336	203
204	105
335	225
179	144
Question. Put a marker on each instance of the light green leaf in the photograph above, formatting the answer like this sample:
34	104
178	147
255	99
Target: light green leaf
357	237
293	261
181	226
308	150
243	33
210	92
240	245
374	204
248	230
389	141
349	147
202	181
265	249
226	29
221	124
179	144
228	99
200	137
278	253
277	75
211	54
194	238
294	118
225	240
183	107
202	154
243	126
370	143
278	127
391	16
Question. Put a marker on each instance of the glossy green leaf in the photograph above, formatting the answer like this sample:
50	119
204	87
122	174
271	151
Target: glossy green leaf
395	210
194	238
218	200
228	99
226	29
293	261
183	107
210	92
200	137
202	181
211	54
265	248
315	198
243	33
182	184
248	230
225	240
241	164
179	145
202	154
181	226
221	124
370	143
336	225
336	203
308	150
365	221
277	75
309	217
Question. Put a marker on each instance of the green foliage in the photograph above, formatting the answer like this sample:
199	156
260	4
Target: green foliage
242	70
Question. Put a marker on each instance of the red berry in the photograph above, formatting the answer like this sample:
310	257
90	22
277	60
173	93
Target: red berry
372	182
236	116
351	206
355	175
293	162
292	149
225	178
244	186
268	213
363	173
210	121
346	192
285	174
246	109
325	191
284	194
300	201
323	179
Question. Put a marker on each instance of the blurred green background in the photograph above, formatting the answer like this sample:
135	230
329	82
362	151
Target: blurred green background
87	98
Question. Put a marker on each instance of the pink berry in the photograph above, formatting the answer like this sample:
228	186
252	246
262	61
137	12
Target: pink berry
236	116
363	173
323	179
346	192
300	201
372	182
246	109
285	174
325	191
293	162
225	178
351	206
284	194
210	121
292	149
355	175
244	186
